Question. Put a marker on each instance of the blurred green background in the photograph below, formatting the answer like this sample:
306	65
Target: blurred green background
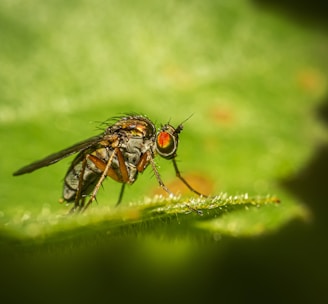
253	76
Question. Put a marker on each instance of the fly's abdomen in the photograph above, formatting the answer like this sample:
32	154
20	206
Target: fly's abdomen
72	179
92	170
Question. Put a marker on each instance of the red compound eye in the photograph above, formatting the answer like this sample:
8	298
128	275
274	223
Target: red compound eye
164	139
166	144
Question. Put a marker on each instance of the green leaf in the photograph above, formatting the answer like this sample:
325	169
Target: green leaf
251	77
238	215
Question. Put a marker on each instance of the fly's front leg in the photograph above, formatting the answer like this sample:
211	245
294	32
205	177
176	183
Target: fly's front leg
178	174
159	179
199	212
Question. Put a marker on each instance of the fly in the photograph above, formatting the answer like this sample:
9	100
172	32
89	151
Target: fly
123	150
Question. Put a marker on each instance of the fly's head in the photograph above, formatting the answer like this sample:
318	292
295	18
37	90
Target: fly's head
167	139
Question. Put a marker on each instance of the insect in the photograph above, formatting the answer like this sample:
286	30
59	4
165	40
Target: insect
123	150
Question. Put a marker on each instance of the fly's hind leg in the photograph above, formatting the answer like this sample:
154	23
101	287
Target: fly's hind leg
108	171
101	179
122	178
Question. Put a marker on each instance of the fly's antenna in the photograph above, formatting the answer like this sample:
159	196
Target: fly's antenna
191	115
180	126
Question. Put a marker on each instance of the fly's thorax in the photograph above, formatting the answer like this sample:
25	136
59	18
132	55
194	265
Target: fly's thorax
110	140
138	145
133	149
133	125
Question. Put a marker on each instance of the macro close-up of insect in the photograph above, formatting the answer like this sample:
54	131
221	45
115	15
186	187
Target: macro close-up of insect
123	150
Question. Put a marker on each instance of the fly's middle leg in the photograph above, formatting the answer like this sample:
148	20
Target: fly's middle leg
178	174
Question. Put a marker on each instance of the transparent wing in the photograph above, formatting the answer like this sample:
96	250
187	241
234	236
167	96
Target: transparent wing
53	158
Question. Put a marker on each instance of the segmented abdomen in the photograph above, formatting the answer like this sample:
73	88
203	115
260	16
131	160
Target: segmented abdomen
91	173
132	149
72	178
